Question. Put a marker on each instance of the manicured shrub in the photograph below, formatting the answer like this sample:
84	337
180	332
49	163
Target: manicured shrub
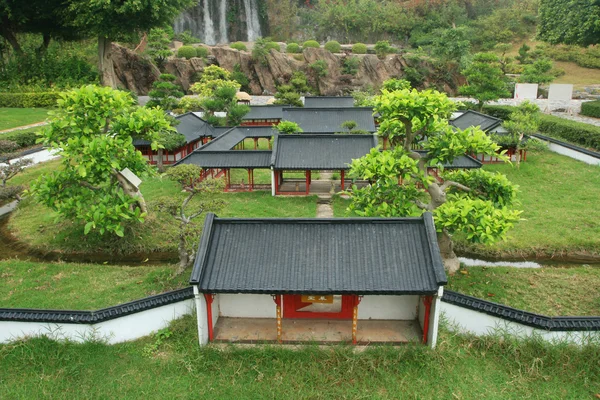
575	132
333	46
24	138
502	112
293	48
238	46
273	45
29	100
311	43
591	108
359	48
8	146
186	52
383	48
201	52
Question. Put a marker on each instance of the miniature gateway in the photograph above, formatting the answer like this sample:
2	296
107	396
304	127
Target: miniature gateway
359	280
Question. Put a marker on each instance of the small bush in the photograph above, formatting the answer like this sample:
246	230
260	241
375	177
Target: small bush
186	38
8	146
319	67
29	100
333	46
201	52
311	43
350	65
591	108
186	52
383	48
298	57
24	138
273	45
238	46
359	48
293	48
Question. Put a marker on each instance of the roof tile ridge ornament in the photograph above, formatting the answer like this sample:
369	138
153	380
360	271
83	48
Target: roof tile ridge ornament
434	249
205	240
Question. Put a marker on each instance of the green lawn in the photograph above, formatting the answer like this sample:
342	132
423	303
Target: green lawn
460	368
81	286
14	117
554	291
559	198
38	225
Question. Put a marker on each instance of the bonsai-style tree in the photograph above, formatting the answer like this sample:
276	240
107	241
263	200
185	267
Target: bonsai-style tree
485	79
474	204
9	169
524	121
540	72
158	47
186	211
92	130
165	93
287	127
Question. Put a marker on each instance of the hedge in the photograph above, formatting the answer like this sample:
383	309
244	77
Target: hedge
29	100
23	138
591	108
359	48
311	43
579	133
333	46
186	52
293	48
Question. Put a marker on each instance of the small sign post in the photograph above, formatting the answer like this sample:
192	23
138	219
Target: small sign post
131	177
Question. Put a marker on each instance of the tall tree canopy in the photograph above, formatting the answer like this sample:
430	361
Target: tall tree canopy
475	204
113	20
569	21
92	130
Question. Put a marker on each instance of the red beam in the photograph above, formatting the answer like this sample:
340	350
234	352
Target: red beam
427	300
209	300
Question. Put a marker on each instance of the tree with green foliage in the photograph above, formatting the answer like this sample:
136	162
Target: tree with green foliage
524	56
523	122
452	44
540	72
383	48
350	65
186	211
290	93
569	22
158	47
474	204
165	93
110	21
261	49
92	130
287	127
485	79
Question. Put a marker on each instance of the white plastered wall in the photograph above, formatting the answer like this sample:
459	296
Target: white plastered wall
122	329
388	307
247	306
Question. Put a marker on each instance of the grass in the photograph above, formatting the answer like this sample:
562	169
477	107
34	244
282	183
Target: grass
81	286
553	291
176	367
559	198
15	117
37	225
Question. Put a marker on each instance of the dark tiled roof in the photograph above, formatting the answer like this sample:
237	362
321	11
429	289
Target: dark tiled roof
219	130
328	101
345	255
473	118
329	120
257	131
461	162
520	316
264	112
229	159
92	317
190	125
320	151
225	141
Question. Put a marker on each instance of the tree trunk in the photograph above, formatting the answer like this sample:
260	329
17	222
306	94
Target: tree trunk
159	162
131	191
184	257
105	62
451	262
10	37
41	51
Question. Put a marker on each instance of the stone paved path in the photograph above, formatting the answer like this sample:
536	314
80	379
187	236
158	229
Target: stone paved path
20	128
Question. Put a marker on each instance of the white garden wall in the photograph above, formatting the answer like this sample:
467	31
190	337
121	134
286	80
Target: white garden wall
121	329
388	307
247	305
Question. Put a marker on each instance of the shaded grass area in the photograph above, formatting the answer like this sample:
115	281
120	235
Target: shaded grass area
175	367
15	117
81	286
551	291
41	228
33	172
559	198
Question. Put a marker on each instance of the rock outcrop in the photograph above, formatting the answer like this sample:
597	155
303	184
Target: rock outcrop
137	74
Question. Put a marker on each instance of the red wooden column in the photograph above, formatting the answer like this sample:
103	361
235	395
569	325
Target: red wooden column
276	182
209	300
427	301
307	175
342	173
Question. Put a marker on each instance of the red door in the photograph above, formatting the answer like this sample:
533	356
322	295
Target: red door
318	306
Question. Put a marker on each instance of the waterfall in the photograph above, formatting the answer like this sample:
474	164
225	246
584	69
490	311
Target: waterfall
208	20
252	21
209	28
